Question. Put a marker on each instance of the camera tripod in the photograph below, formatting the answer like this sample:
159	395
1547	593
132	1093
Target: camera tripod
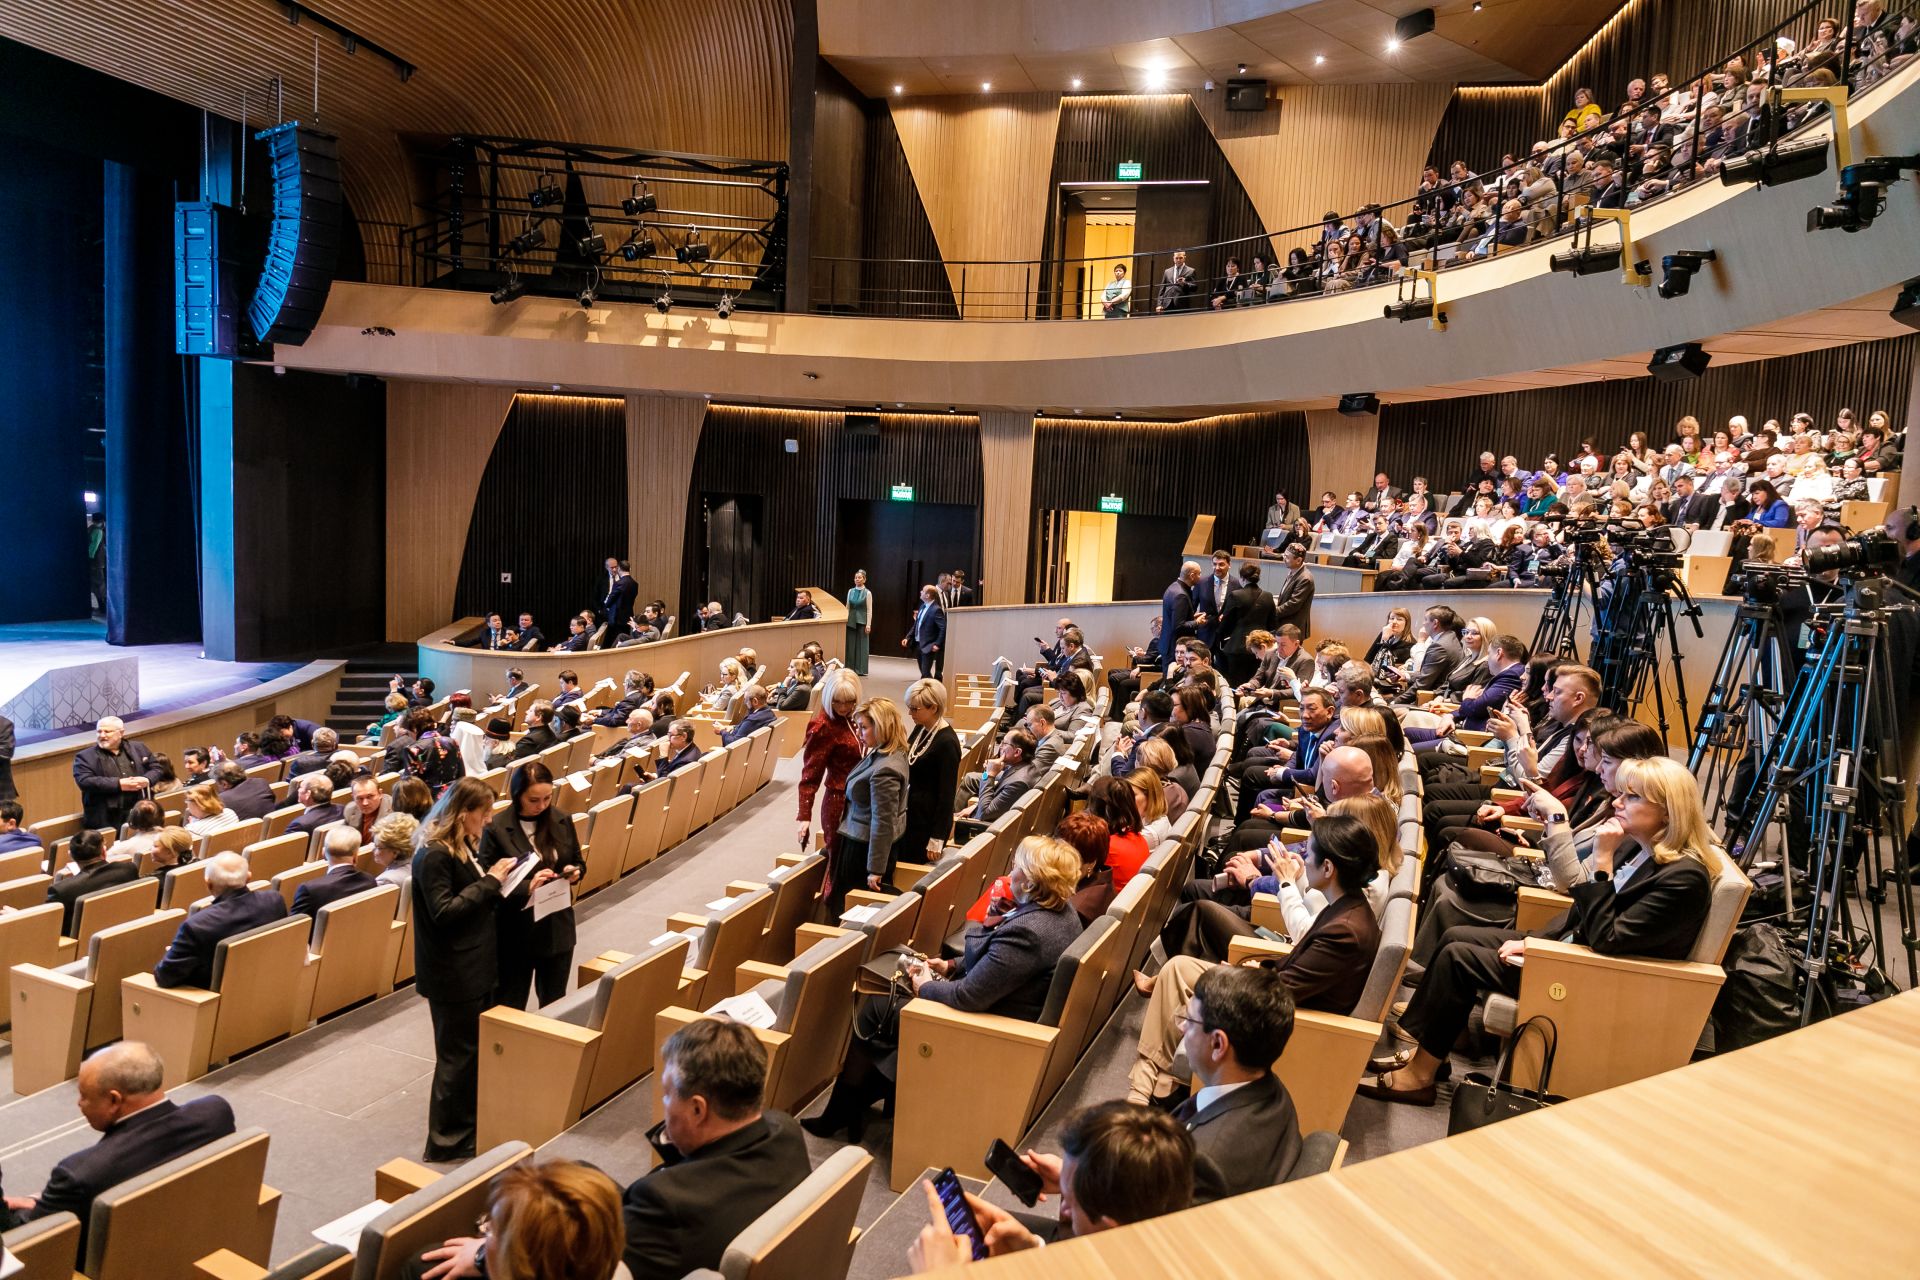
1558	632
1639	606
1828	763
1742	709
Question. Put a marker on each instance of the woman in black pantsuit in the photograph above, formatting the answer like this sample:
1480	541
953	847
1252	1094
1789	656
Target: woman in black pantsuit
533	953
933	774
454	956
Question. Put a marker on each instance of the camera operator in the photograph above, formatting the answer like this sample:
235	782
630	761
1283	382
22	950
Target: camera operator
1797	602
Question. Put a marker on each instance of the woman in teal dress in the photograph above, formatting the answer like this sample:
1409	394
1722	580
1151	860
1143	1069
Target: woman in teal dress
859	623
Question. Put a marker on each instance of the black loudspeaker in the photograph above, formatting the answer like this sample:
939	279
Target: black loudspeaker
206	275
1246	95
1677	364
305	237
1359	403
1417	23
1906	307
863	424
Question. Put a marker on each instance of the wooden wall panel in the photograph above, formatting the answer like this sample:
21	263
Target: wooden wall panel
663	437
617	72
1006	466
439	437
1343	449
981	166
1327	147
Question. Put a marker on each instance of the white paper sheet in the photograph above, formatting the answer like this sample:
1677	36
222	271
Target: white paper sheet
554	896
344	1230
747	1008
519	874
689	934
720	904
859	915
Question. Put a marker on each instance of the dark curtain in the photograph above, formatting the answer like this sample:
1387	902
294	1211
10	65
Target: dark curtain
1441	439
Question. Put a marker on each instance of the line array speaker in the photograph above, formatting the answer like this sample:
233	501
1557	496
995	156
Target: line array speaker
304	239
206	303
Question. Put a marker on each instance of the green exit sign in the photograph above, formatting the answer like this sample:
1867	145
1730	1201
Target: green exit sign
1127	171
902	493
1113	503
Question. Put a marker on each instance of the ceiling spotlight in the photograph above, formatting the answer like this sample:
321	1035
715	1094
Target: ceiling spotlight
1319	58
1679	269
1156	77
664	303
1393	46
1906	307
1590	261
592	246
986	86
1476	6
724	308
1409	309
1777	165
547	194
637	245
1076	82
512	288
899	88
527	241
1243	68
639	202
588	292
693	250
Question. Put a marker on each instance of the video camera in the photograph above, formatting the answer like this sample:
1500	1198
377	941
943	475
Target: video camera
1764	582
1869	554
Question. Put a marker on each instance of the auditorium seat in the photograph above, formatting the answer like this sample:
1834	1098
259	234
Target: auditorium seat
727	937
1128	911
269	857
683	793
940	897
278	820
159	1223
45	1247
183	884
712	773
352	954
231	840
22	862
288	882
24	891
795	882
1321	1151
31	937
809	1233
540	1072
605	844
888	924
321	1262
254	1000
427	1208
647	828
62	1013
104	908
968	1078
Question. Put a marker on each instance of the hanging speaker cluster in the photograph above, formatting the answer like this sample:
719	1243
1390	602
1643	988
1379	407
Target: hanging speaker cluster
304	240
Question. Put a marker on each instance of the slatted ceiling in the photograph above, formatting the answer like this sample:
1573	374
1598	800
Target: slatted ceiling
439	436
662	439
1440	438
981	170
599	73
1327	146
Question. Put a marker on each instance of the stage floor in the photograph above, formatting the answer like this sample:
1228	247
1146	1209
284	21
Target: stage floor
172	676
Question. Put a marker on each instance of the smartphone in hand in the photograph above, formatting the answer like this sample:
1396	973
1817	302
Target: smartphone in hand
1004	1163
960	1219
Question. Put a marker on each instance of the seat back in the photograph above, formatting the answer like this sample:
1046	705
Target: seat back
268	858
1390	961
117	953
794	889
939	892
105	908
440	1210
351	936
892	925
288	883
684	787
738	761
606	842
981	854
257	974
1730	890
712	773
184	885
760	752
625	1002
732	937
815	1012
162	1221
1128	911
233	839
1077	983
276	822
579	752
51	829
647	827
29	937
45	1247
322	1262
22	862
809	1233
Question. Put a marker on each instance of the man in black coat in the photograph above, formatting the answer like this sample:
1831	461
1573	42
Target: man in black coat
316	793
1246	1134
7	789
622	591
1177	612
89	853
325	743
235	909
342	879
121	1095
726	1160
531	637
247	797
1249	608
112	774
1293	599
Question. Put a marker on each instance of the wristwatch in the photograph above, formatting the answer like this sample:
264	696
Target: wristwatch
1554	819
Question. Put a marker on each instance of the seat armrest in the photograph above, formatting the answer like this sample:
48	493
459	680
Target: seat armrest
225	1264
1537	907
1252	947
1294	835
752	973
790	859
1267	913
1506	793
1515	822
595	969
1473	737
738	888
399	1178
905	875
868	898
682	920
808	934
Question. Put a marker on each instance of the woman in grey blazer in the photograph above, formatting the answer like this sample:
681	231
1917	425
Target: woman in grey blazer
876	804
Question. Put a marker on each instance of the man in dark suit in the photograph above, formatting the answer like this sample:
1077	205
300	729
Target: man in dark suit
1383	494
726	1160
531	637
89	854
570	690
1293	653
1293	600
1689	507
112	774
1177	612
492	636
7	790
539	736
1249	608
758	716
1176	283
325	743
248	797
12	838
713	617
365	805
1444	651
622	591
579	638
1245	1132
342	878
316	793
1005	779
1210	598
235	909
121	1096
412	725
680	743
929	633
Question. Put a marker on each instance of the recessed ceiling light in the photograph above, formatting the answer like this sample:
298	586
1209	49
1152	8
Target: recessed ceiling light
899	88
1156	77
1319	58
1243	68
1476	6
1076	82
986	86
1106	197
1393	46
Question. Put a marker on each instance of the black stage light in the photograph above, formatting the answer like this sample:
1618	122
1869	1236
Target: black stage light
1678	363
664	303
1906	307
1777	165
592	246
1679	269
1591	261
1405	310
507	292
1862	196
1356	404
638	245
640	201
546	195
527	241
692	252
587	293
724	309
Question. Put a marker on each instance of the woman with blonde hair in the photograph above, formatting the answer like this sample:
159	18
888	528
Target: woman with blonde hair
1158	755
205	813
876	805
933	774
1476	642
546	1220
1646	892
828	754
1150	798
1386	765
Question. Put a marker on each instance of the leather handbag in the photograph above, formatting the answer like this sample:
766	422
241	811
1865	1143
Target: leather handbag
1488	877
1479	1100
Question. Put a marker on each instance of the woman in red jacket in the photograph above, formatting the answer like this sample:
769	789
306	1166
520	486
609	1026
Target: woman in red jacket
828	755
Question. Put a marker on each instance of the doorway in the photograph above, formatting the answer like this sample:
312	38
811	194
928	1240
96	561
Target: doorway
902	546
731	569
1097	233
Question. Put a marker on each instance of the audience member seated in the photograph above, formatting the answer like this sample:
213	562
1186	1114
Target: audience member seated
544	1219
412	797
244	797
1650	904
1005	779
90	871
539	736
342	878
1245	1133
1005	969
121	1096
325	743
14	838
639	736
792	693
234	909
112	774
366	805
1125	681
1112	801
759	716
680	742
315	792
636	690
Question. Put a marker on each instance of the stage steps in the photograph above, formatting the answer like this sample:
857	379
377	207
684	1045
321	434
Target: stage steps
363	686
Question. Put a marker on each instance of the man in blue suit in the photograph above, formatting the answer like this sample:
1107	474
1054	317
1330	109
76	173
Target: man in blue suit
189	961
1210	599
342	879
929	634
1177	613
758	716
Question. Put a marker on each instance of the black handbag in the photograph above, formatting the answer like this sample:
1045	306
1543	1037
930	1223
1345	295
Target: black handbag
1479	1100
1488	877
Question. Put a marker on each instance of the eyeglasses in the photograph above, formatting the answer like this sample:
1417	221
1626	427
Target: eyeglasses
1183	1021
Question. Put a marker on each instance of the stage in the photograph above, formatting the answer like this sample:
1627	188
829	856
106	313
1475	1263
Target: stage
171	676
